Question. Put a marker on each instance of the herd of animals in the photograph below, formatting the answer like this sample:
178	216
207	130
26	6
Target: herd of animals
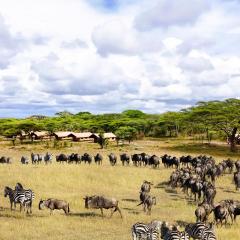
194	175
142	159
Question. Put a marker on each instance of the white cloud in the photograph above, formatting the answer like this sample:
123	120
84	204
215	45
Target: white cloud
116	37
153	55
167	13
195	64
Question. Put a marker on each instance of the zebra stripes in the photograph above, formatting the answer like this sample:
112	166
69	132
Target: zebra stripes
24	197
200	231
176	235
208	235
142	231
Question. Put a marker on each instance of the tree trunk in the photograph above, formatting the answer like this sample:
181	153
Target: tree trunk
232	140
177	130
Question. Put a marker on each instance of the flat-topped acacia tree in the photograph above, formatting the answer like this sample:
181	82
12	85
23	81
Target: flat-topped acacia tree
218	115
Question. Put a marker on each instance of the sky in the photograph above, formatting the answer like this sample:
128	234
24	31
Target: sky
107	56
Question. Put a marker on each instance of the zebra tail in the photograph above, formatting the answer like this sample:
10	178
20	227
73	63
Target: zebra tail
140	203
68	208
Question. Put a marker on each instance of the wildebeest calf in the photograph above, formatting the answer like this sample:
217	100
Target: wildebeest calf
101	202
53	204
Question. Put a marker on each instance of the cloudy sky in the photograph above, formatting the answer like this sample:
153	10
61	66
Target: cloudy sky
110	55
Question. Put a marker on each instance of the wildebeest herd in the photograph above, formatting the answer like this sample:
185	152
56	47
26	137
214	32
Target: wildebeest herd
196	176
137	159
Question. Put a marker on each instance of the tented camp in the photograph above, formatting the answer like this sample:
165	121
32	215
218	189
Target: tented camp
40	135
84	136
61	135
109	136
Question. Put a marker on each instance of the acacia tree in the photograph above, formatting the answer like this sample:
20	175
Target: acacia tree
102	141
126	133
219	115
171	121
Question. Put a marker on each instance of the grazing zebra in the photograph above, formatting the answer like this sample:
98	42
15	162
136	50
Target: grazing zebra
24	197
208	235
144	231
172	233
184	235
200	230
176	235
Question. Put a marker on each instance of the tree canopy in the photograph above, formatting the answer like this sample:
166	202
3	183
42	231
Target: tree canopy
219	117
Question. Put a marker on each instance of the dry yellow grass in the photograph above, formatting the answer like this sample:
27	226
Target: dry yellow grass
73	182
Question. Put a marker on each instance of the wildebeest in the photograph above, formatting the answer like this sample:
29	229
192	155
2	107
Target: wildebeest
137	159
221	214
24	160
237	165
98	159
74	157
48	158
36	158
147	201
87	158
146	186
145	158
125	158
200	214
101	202
61	158
5	160
169	162
209	192
154	161
203	211
112	159
236	212
236	179
53	204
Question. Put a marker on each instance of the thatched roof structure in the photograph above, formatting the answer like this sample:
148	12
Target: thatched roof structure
40	134
109	136
61	135
80	136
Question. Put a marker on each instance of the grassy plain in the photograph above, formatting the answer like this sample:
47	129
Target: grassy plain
73	182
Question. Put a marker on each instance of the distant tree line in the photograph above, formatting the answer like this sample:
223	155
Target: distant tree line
219	119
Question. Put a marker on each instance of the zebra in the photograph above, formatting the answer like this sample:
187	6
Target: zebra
208	235
142	231
172	233
10	193
176	235
200	230
22	196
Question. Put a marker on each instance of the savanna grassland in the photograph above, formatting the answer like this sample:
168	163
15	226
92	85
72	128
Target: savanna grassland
72	182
